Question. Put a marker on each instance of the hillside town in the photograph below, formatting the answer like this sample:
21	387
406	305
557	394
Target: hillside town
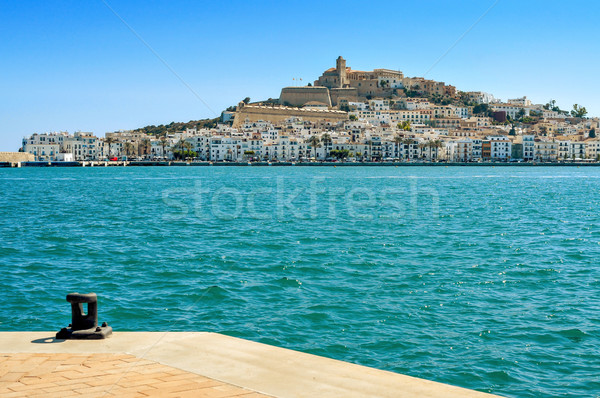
355	116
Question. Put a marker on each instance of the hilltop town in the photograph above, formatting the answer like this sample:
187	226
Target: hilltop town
352	115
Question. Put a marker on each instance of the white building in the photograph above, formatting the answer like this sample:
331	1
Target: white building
546	150
65	157
500	148
379	105
479	97
83	146
45	147
578	150
511	110
528	147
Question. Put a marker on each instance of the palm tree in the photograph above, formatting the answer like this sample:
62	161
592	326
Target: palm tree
180	144
315	143
409	142
188	147
370	144
145	146
128	148
326	140
398	140
421	146
163	144
108	141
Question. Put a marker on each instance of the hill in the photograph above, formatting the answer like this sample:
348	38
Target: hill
173	127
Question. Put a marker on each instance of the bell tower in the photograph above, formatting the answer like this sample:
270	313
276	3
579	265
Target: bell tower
340	66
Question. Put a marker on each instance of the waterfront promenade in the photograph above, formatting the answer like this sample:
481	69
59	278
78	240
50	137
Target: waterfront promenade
189	364
299	164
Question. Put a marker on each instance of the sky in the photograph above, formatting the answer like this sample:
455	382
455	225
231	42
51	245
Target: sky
109	65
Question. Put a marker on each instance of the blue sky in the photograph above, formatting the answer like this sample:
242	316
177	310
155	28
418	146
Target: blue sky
73	65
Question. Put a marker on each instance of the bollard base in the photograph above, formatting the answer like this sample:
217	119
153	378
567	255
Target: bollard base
99	333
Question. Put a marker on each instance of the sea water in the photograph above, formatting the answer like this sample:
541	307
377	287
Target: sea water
481	277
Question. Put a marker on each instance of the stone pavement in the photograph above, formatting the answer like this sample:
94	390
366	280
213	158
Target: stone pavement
194	364
104	375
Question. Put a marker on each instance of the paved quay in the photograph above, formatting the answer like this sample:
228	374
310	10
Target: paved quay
190	364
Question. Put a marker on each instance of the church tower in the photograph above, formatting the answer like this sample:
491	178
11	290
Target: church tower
340	66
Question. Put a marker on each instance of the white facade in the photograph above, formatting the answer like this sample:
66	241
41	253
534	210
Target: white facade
379	105
500	148
546	151
578	150
480	97
45	147
511	110
528	147
65	157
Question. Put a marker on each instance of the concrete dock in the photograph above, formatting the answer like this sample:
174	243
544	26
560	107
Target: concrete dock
190	364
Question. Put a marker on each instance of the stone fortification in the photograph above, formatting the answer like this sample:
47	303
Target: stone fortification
15	157
298	96
277	114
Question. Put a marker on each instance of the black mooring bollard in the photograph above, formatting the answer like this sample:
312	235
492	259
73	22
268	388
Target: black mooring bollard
84	326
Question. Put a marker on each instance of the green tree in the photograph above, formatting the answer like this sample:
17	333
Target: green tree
184	154
326	140
404	125
128	148
145	148
398	140
163	144
592	133
181	144
578	111
512	131
188	148
550	105
314	143
246	100
340	154
353	118
481	109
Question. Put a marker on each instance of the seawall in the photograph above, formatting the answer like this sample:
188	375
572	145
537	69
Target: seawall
298	164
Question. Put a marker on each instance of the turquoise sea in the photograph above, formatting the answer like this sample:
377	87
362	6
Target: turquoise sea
481	277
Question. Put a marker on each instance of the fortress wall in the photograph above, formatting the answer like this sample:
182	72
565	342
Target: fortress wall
280	114
298	96
350	94
15	157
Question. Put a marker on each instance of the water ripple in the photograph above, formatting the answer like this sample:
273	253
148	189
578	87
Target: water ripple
493	288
